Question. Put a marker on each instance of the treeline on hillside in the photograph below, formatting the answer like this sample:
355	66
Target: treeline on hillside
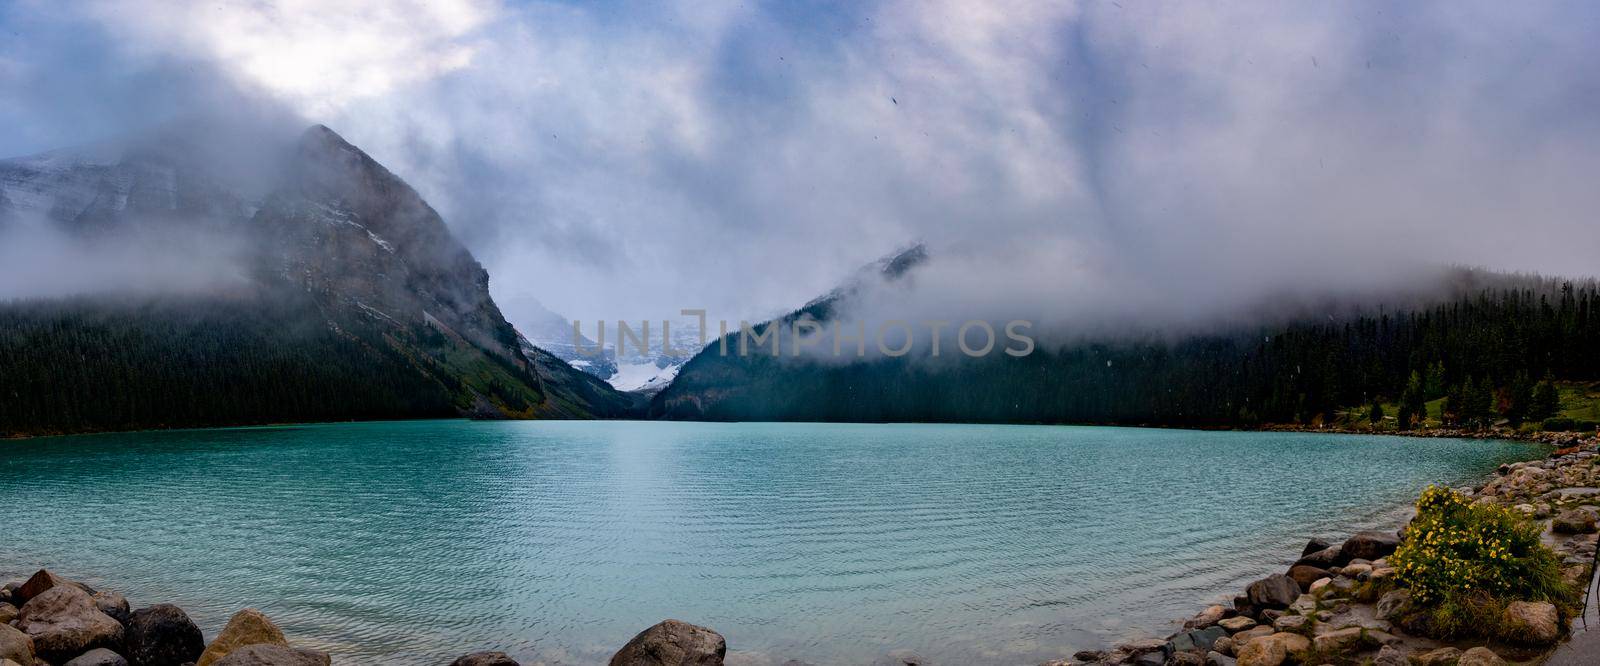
87	365
1487	353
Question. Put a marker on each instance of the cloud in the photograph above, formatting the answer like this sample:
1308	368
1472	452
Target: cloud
1156	163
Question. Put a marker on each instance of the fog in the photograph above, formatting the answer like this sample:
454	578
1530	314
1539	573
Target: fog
1086	165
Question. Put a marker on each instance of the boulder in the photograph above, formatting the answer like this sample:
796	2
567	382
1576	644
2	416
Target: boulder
1224	645
1272	650
15	645
64	623
36	585
1142	646
1314	545
98	657
1445	656
1319	584
1206	618
246	627
163	635
8	613
273	655
1573	521
1235	625
1338	640
1275	591
1244	637
1370	545
1480	656
113	604
1389	656
1298	624
1531	622
1322	559
1185	659
485	659
1391	604
1196	640
1305	575
673	643
1219	659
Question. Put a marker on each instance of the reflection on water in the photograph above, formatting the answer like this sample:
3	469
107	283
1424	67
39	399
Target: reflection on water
412	543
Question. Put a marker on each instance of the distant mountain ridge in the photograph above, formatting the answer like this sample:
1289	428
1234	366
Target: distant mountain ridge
323	234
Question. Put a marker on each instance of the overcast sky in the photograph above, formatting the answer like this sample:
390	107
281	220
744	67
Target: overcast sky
623	160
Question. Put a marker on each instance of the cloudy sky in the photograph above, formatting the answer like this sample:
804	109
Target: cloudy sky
623	160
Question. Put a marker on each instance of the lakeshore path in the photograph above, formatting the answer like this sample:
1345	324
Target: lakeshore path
1584	648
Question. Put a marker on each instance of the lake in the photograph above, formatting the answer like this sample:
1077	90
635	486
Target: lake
416	542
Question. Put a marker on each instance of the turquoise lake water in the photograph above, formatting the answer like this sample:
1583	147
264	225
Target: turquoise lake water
415	542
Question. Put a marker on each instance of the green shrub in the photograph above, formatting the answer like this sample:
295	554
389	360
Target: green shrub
1566	424
1462	562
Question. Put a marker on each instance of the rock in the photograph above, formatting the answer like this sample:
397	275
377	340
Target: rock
1219	659
1531	622
246	627
1389	656
64	623
98	657
1319	584
1370	545
1142	646
1185	659
1235	625
672	643
1206	618
1305	575
1573	521
1089	656
1271	650
163	635
1298	624
1480	656
1244	637
485	659
36	585
1275	591
1224	645
8	613
1392	603
1199	640
273	655
15	645
113	604
1150	659
1356	571
1338	640
1304	604
1322	559
1445	656
1315	545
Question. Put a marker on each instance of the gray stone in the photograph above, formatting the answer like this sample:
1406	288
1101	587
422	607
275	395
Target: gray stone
1197	640
1573	521
1389	656
1219	659
64	623
15	645
1392	603
163	635
1298	624
1275	591
1322	559
1531	622
1445	656
1480	656
1237	624
113	604
1370	545
673	643
98	657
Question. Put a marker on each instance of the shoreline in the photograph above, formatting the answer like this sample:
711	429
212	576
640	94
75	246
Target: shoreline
1292	609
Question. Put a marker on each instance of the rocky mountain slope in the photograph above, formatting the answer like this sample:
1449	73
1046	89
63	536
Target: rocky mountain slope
351	261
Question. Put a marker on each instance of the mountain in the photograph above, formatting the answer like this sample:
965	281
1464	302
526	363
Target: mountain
331	262
639	371
1479	349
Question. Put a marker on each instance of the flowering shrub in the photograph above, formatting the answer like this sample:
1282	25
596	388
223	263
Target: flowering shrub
1462	559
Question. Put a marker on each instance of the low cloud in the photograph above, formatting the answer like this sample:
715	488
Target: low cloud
1079	164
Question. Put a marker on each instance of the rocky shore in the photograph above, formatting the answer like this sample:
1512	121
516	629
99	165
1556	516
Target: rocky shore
48	620
1337	604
